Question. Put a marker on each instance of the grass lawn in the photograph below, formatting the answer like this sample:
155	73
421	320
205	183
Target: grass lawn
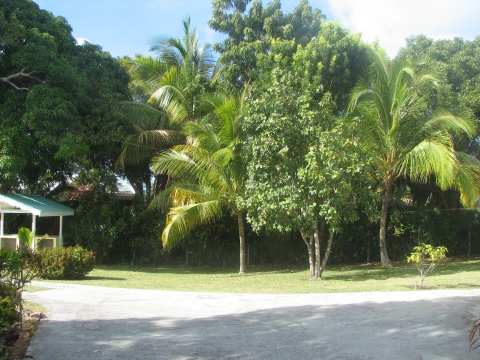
451	274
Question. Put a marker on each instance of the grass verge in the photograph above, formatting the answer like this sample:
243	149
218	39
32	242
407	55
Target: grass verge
451	274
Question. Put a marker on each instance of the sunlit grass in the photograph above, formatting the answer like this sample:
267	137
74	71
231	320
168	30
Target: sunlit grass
452	274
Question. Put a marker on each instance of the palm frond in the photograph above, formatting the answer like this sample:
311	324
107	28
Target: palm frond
444	120
468	180
223	156
170	50
181	193
143	116
141	147
433	156
182	219
149	71
372	132
176	163
204	136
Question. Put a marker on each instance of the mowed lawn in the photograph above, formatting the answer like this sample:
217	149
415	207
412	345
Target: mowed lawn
451	274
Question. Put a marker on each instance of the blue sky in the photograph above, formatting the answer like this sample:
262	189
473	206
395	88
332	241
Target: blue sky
124	27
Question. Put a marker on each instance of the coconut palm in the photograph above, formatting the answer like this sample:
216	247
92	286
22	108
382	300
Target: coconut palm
169	89
208	174
408	138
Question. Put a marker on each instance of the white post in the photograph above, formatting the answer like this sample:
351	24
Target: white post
34	228
2	219
60	233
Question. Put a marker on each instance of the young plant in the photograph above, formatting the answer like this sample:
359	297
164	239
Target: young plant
15	272
426	255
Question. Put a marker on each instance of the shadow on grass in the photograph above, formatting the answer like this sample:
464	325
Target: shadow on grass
104	278
351	272
401	270
180	270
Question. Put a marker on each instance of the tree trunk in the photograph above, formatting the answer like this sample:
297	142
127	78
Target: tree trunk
241	236
319	229
308	240
469	243
327	253
386	194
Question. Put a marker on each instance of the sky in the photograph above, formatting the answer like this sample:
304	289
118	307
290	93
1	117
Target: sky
125	27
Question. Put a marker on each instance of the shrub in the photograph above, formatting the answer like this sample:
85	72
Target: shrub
15	272
64	263
426	255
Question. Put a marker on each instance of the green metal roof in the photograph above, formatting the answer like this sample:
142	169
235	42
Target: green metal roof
33	204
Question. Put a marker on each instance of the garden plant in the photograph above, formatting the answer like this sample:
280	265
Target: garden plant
425	257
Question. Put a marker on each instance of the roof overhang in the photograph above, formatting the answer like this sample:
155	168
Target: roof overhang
32	204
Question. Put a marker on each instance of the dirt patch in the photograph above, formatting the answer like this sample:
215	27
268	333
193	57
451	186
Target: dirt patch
25	332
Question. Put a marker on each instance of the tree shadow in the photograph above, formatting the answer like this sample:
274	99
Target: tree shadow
420	329
102	278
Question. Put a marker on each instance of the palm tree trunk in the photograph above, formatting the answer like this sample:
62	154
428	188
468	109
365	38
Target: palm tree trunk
241	236
386	194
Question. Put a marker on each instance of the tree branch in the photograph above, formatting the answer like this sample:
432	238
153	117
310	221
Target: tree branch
21	74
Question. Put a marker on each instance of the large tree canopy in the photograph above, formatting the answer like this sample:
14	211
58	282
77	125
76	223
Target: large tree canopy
254	32
57	100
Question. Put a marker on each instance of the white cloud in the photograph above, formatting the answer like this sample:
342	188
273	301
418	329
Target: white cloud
81	40
391	21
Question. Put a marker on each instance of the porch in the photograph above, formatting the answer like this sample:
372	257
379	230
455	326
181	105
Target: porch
36	206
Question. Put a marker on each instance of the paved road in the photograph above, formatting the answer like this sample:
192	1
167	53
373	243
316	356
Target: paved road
86	322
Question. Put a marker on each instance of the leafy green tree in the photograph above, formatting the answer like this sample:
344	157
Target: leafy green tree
409	138
208	174
298	106
253	30
60	119
304	175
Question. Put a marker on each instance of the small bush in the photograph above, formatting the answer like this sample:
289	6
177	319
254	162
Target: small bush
64	263
15	272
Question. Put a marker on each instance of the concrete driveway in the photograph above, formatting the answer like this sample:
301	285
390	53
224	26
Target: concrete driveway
86	322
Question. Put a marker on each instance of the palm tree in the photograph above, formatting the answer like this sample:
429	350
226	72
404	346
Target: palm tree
170	88
187	69
406	137
208	174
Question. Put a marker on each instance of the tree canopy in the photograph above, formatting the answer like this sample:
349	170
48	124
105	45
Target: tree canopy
57	98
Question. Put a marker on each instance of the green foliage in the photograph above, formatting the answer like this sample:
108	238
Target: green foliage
208	174
256	30
136	239
426	255
26	237
16	270
64	263
93	226
408	137
168	90
60	118
302	171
